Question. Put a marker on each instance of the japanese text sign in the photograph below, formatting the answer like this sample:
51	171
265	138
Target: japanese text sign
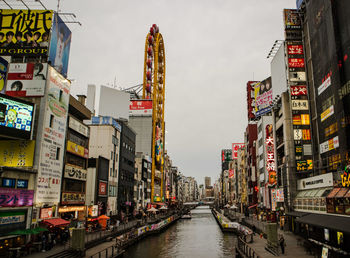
16	197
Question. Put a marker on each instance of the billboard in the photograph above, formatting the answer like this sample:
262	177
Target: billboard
16	197
140	107
17	153
77	149
114	103
60	46
235	147
251	99
270	155
25	32
291	19
104	120
26	80
263	97
16	117
3	72
226	155
53	138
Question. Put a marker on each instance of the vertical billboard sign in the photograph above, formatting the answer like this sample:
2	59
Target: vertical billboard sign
270	155
263	97
251	99
3	72
298	90
60	45
53	139
24	32
235	147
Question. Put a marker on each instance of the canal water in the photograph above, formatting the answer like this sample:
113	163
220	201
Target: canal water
200	236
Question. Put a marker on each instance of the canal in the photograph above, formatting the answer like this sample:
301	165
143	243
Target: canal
197	237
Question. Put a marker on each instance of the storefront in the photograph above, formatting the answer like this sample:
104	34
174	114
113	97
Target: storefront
338	201
76	215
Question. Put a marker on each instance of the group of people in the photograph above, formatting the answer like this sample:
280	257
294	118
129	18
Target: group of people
30	39
50	238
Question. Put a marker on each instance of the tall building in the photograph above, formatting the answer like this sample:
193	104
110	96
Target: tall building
207	181
73	193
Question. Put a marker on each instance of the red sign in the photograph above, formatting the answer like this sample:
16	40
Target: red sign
296	62
102	188
298	90
16	197
295	50
140	107
231	173
46	213
235	147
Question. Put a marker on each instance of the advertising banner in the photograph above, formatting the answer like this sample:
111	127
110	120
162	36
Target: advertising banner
295	50
60	46
296	62
270	155
78	126
273	200
74	172
26	79
291	19
3	72
329	145
16	117
298	90
325	84
279	195
304	165
315	182
53	139
15	197
140	107
300	104
17	153
263	97
231	173
102	188
77	149
104	120
235	147
73	198
12	219
46	213
327	113
25	32
226	155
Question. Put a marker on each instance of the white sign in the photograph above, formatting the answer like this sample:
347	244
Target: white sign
297	76
78	127
12	219
329	145
314	182
53	139
300	104
324	85
75	172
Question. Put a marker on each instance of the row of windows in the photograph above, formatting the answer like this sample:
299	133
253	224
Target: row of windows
112	191
128	147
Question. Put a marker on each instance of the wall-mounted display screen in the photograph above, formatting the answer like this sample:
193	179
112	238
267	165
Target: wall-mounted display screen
16	117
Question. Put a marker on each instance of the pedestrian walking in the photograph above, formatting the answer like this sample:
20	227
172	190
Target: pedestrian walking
282	243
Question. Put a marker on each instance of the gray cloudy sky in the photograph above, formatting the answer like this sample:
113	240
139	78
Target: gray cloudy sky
213	47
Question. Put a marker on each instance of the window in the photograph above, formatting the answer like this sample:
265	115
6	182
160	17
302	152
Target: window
51	121
112	155
58	153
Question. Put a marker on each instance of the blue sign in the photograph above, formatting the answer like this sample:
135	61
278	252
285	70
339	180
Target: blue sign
106	120
60	46
299	2
8	182
22	183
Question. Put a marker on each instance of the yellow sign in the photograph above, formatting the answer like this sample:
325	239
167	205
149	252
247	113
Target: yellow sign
71	208
17	153
77	149
327	113
25	32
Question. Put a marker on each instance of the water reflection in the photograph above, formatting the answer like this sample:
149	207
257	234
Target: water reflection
196	237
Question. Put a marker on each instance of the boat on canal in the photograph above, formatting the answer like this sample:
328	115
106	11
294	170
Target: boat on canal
188	215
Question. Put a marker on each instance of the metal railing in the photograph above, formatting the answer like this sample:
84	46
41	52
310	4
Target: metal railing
111	251
244	248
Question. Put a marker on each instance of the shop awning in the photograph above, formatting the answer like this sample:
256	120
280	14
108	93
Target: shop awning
321	192
56	222
333	193
347	195
341	192
338	223
252	206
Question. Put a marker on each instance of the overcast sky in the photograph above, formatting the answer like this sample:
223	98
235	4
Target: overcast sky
212	47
